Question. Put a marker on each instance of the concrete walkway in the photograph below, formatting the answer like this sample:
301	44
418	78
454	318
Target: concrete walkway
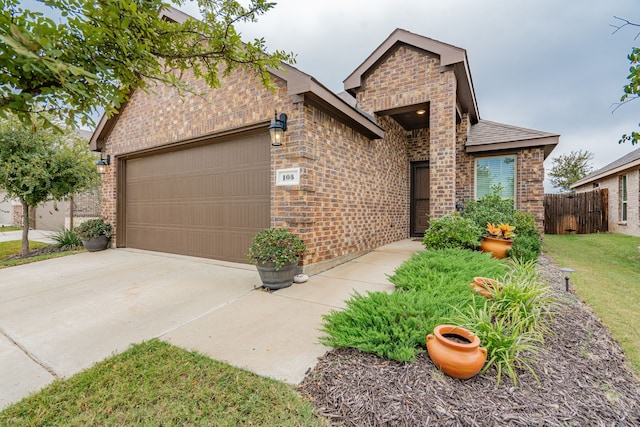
60	316
34	235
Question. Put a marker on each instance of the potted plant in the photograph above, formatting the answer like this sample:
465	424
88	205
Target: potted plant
95	234
498	242
276	253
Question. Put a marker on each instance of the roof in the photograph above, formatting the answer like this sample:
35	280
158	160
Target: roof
491	136
450	55
304	87
623	163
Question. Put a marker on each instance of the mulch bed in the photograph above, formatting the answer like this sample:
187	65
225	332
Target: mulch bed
583	381
43	251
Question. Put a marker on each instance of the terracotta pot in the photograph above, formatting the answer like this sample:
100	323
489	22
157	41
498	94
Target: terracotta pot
483	286
497	247
460	360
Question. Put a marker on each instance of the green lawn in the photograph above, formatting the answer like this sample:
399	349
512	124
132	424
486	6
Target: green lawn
14	247
9	228
155	383
607	277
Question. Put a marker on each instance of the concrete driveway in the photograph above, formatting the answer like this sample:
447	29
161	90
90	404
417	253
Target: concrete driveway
60	316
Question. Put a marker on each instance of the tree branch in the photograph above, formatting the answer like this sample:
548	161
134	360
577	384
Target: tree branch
625	23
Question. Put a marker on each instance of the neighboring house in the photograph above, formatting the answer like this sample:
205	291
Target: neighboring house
54	216
6	209
405	143
622	179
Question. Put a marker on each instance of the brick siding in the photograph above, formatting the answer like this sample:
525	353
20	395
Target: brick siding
632	225
354	193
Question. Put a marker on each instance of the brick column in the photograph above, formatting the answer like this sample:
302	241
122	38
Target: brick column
442	149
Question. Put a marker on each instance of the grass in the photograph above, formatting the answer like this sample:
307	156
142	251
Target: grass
14	247
155	383
4	228
606	277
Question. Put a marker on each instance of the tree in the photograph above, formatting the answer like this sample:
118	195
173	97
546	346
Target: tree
631	89
570	168
37	166
102	50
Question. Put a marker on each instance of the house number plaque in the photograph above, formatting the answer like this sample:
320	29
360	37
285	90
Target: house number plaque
288	176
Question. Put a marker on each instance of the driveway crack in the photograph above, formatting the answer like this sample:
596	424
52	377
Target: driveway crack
30	355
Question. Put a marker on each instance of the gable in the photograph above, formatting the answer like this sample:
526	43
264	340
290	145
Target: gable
450	57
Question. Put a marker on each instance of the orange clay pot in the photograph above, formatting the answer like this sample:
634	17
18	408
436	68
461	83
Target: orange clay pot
497	247
484	286
458	360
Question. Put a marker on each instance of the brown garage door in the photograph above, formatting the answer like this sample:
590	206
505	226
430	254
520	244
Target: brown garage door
205	201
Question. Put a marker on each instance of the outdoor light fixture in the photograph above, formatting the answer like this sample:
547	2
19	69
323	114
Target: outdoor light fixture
421	112
103	163
567	272
277	128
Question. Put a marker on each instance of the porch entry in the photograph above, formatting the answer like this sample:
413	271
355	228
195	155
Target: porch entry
419	198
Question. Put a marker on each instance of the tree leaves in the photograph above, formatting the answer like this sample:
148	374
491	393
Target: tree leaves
570	168
102	50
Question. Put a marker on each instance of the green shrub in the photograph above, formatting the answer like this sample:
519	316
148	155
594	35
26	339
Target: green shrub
452	231
525	224
525	247
93	228
67	239
447	267
491	208
275	245
393	325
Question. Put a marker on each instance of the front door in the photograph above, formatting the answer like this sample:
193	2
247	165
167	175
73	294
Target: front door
419	198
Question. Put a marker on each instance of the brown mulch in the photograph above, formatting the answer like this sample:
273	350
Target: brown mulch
583	381
45	250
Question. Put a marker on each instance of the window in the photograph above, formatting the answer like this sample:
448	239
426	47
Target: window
622	192
492	171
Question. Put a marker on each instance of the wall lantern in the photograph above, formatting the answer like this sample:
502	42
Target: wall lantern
103	163
277	128
567	272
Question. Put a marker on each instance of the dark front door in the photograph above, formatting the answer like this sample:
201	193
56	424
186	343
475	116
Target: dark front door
419	198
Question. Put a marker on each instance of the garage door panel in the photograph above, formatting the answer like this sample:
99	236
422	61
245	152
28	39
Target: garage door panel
206	201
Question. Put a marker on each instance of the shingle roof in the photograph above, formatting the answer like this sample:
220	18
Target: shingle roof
487	132
627	159
487	136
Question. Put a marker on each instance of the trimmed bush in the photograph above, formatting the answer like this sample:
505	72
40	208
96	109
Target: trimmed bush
452	231
447	267
525	247
392	325
395	325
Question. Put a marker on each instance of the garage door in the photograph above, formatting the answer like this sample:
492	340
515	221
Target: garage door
205	201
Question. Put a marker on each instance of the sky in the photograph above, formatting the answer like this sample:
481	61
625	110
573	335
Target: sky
549	65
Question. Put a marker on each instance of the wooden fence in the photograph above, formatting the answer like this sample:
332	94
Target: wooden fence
579	213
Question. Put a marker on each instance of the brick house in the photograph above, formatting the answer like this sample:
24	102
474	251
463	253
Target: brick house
622	179
356	170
